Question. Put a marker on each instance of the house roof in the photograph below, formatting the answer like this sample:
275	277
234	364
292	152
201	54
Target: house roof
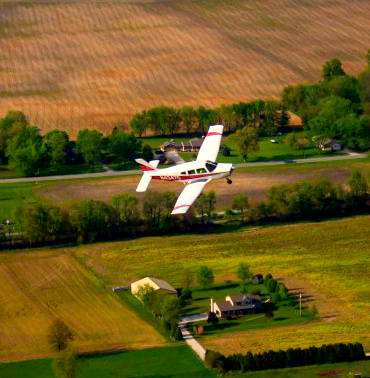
227	306
168	144
162	284
243	297
157	283
196	142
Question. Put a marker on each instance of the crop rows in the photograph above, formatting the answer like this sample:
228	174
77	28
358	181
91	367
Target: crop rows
74	65
37	287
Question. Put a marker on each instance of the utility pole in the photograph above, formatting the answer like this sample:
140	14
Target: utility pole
300	304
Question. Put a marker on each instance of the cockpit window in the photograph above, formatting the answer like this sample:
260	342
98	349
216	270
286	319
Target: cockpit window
211	166
191	172
201	170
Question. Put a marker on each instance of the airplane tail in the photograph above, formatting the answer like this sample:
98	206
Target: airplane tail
146	167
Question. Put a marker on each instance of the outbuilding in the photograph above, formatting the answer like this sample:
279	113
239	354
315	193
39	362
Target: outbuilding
257	279
157	284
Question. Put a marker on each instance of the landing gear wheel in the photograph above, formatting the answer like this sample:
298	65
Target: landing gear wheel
229	181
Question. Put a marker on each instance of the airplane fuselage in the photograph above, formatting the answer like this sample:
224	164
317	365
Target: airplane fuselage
194	171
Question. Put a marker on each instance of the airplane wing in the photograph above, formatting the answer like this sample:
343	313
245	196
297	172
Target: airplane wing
188	196
211	144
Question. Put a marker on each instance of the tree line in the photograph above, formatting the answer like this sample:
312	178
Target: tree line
28	152
265	116
315	200
91	220
338	106
293	357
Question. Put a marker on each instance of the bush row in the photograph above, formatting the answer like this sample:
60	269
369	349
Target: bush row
326	354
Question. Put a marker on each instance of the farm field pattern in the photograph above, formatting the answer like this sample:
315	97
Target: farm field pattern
327	261
78	64
38	286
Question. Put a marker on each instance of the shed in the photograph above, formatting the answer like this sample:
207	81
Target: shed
157	284
257	279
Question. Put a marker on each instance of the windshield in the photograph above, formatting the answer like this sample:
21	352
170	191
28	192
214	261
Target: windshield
211	166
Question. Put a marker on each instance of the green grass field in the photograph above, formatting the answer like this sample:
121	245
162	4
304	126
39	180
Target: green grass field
6	172
12	195
166	362
327	261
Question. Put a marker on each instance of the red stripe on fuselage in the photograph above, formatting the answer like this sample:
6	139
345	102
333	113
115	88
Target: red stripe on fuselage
188	177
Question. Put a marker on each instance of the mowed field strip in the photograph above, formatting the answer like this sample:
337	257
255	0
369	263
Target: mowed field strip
37	286
72	65
329	262
254	182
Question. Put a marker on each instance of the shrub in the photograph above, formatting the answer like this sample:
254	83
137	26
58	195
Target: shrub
212	318
313	310
186	293
215	360
256	292
269	314
226	151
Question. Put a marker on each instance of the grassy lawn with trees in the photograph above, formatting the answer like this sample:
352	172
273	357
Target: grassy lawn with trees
176	362
285	312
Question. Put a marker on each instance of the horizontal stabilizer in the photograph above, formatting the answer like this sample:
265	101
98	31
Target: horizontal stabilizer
145	166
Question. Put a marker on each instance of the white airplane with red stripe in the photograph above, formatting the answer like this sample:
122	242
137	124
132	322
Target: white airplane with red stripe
195	174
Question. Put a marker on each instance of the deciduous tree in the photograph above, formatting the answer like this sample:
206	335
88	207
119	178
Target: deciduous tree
89	143
205	276
245	140
241	205
59	335
56	142
243	272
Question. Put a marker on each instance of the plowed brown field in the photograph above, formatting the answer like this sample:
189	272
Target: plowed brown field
90	64
38	286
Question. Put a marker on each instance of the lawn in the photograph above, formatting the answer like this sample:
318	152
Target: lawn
327	261
166	362
12	195
37	286
268	151
6	172
176	362
284	313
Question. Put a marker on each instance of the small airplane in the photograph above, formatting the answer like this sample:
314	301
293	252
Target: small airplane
195	174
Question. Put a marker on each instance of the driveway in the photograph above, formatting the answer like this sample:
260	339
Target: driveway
188	337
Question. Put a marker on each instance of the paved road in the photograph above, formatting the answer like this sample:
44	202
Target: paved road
188	337
137	172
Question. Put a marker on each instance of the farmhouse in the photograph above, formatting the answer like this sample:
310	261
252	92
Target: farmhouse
168	146
158	285
193	145
236	305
